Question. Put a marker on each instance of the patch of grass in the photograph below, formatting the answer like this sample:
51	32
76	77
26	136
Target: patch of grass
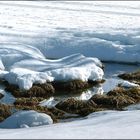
112	102
28	101
80	107
118	98
115	99
5	111
74	85
41	90
133	76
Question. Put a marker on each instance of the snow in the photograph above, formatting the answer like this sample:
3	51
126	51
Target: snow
104	124
51	102
128	84
32	31
24	69
60	28
26	119
133	107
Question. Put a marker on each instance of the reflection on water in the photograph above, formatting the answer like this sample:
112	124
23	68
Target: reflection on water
8	98
90	92
111	71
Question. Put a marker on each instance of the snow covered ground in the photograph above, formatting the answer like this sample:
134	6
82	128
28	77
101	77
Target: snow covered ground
26	119
106	124
63	28
32	31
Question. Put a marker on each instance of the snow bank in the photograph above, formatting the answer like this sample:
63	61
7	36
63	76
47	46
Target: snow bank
25	65
109	31
104	124
26	119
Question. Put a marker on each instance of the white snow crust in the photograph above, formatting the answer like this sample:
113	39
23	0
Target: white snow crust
26	119
104	124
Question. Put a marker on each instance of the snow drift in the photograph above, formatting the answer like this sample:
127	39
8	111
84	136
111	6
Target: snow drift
24	65
109	31
104	124
26	119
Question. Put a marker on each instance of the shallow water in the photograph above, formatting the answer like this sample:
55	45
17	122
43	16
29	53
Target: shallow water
111	71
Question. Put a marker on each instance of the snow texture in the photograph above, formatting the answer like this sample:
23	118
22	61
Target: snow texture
104	124
107	30
32	31
23	68
128	84
26	119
